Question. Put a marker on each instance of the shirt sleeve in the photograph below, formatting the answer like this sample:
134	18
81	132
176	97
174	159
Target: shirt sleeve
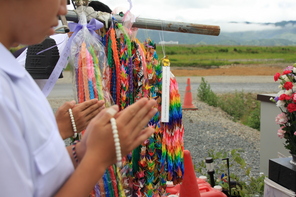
15	176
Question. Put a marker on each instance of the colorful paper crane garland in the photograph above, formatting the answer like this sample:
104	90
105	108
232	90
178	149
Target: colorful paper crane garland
130	71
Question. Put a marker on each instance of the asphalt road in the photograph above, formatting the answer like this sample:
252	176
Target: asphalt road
219	84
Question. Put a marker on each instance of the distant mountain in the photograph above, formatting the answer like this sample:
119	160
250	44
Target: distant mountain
276	24
284	36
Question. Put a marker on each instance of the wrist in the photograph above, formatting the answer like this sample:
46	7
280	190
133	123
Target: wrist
64	131
80	151
99	161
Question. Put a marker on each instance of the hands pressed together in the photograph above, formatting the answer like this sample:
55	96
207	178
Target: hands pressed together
96	150
82	112
98	138
92	116
133	118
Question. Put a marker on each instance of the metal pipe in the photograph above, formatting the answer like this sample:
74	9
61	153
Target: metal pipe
173	26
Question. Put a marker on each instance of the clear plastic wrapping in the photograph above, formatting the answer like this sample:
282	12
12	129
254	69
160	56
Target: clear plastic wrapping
89	64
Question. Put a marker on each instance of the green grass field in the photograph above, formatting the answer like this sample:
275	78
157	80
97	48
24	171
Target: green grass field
206	56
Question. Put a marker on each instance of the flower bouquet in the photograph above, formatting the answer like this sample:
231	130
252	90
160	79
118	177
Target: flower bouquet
286	101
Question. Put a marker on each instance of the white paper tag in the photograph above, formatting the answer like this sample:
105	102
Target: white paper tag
165	95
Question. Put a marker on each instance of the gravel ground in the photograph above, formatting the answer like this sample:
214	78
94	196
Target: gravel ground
209	128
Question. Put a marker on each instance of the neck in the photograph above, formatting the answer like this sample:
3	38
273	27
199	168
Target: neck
8	22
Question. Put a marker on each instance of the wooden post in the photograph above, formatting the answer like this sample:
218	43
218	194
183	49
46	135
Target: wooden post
145	23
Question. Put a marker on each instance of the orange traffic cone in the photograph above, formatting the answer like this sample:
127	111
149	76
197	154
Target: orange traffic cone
188	98
189	186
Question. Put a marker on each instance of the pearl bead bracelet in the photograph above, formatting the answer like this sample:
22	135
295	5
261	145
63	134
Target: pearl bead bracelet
116	142
73	123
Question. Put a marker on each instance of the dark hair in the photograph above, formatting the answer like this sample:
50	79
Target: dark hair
99	6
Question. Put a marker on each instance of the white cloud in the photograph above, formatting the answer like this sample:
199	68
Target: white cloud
239	27
213	12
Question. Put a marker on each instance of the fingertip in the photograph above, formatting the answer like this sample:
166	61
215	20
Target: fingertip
154	102
151	131
101	101
146	133
144	99
95	100
155	110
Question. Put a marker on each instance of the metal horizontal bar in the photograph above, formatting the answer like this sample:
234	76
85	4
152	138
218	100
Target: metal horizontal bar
173	26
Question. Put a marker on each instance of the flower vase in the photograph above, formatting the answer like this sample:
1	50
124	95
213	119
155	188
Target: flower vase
293	160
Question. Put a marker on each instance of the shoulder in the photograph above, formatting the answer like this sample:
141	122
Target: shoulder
5	86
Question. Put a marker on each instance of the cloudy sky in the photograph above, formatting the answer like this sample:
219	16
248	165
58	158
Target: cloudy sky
213	12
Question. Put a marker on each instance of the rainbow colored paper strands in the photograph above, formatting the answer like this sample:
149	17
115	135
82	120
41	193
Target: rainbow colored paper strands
148	180
139	69
88	86
168	138
98	75
112	71
173	137
135	72
123	101
126	61
116	79
119	84
88	78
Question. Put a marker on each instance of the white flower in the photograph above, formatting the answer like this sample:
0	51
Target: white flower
294	70
281	92
289	92
280	103
285	78
280	86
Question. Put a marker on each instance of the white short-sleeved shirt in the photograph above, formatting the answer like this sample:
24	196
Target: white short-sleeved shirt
33	157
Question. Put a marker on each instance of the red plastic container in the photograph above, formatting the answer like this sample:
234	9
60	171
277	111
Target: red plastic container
204	187
191	185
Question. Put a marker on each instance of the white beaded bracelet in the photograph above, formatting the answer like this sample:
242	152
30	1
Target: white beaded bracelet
73	123
116	142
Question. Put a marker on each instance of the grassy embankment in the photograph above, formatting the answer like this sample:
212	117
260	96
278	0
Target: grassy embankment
206	56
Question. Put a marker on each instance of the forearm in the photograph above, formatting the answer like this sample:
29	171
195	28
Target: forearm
83	179
79	151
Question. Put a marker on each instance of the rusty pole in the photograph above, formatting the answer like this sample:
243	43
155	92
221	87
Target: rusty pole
173	26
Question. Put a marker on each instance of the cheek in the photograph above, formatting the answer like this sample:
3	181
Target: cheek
40	30
33	37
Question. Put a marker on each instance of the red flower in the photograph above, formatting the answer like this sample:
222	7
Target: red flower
285	97
288	98
287	72
288	85
291	107
276	76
